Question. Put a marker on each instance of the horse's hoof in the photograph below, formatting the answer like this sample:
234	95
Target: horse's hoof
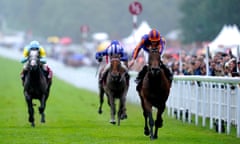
123	116
153	138
113	122
99	111
146	132
43	118
32	124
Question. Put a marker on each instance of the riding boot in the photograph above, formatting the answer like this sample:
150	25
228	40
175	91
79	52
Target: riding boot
167	73
127	78
141	74
46	73
50	74
103	77
140	77
23	75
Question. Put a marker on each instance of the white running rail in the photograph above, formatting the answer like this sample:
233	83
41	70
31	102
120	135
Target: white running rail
205	97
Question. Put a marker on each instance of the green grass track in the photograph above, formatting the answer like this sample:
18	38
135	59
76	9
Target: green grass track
72	118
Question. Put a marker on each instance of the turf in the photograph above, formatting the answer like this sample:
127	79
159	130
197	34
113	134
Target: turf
72	118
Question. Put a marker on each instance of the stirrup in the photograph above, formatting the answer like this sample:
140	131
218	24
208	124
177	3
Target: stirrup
138	87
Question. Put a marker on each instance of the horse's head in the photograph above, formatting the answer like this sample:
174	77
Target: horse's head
115	68
154	61
33	59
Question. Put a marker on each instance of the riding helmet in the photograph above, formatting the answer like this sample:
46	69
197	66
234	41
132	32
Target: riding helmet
154	35
34	44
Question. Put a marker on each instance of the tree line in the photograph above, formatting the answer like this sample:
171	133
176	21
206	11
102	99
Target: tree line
199	20
203	19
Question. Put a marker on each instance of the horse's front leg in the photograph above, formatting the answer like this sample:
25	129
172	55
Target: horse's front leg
122	109
145	115
146	129
30	109
113	109
151	124
159	120
148	114
101	99
42	108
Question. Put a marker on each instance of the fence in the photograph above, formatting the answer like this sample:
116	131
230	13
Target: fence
213	98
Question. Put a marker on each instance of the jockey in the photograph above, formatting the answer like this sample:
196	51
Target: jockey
35	45
153	39
115	48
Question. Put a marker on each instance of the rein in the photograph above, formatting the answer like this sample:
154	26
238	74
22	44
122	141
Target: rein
120	74
154	61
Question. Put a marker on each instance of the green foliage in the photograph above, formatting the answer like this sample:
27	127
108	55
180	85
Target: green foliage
203	19
71	117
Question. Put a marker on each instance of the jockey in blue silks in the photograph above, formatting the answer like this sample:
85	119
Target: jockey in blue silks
115	48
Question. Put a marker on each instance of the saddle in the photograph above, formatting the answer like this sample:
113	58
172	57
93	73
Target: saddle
143	72
48	74
103	77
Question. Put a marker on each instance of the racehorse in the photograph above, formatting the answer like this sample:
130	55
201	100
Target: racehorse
36	86
154	92
115	87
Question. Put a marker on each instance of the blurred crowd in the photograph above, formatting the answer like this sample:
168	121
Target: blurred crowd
221	64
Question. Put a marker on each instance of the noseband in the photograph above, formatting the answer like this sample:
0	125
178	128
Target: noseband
154	61
115	69
33	59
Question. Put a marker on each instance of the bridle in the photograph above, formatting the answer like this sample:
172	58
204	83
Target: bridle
33	59
115	69
154	61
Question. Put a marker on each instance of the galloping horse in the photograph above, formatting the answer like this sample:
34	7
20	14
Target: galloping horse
154	92
36	86
115	87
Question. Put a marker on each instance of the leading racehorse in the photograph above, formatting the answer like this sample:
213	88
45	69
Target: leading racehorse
154	92
36	86
115	87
